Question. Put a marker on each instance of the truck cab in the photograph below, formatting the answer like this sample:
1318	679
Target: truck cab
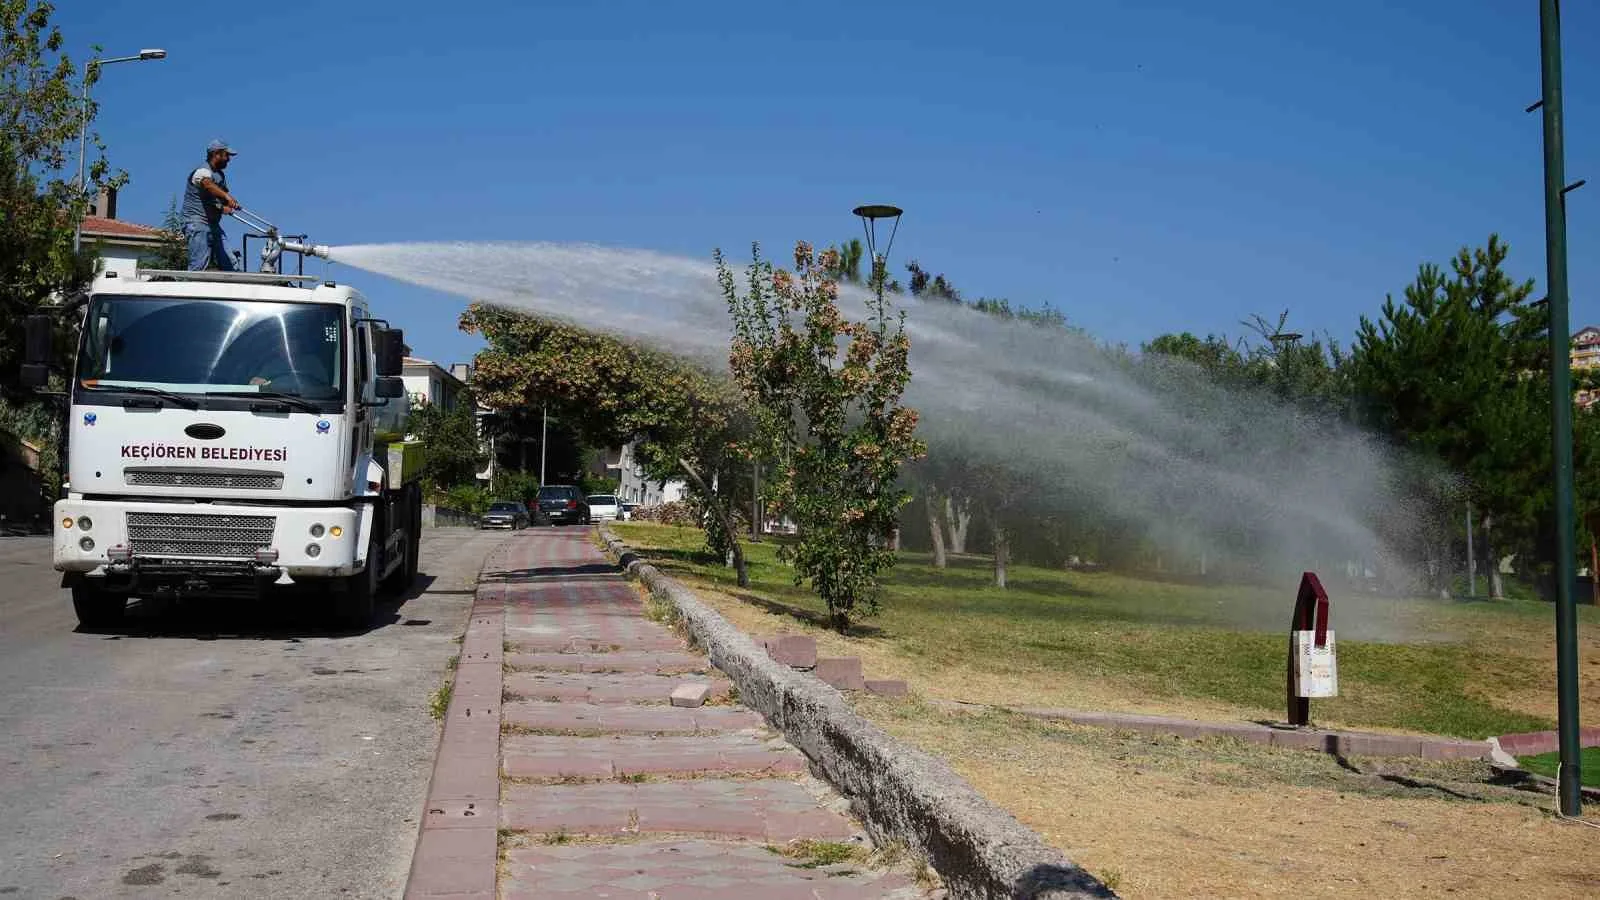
234	436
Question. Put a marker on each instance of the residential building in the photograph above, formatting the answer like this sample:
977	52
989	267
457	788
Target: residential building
122	244
636	488
1586	358
429	383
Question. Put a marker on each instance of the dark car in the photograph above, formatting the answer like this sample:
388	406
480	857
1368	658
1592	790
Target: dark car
505	514
562	504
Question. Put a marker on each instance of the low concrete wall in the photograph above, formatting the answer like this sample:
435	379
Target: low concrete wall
435	516
900	792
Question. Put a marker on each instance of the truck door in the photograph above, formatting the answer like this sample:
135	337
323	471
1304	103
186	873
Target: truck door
362	391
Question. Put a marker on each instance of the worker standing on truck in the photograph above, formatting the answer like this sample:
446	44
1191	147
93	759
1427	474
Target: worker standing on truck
205	201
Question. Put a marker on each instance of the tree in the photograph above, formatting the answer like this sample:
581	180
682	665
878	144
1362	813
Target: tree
930	287
40	114
834	429
611	392
1459	370
454	453
173	252
848	266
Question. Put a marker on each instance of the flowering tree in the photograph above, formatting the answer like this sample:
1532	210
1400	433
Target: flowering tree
825	395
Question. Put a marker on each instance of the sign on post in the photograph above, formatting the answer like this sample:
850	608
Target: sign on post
1313	669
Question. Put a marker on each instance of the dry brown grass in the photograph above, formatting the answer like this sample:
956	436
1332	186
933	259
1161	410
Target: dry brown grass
1172	818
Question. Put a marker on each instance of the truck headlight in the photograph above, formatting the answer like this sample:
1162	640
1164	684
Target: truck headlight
85	523
87	544
316	530
313	550
67	523
336	531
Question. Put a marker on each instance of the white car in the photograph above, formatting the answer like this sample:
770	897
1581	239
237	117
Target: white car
603	507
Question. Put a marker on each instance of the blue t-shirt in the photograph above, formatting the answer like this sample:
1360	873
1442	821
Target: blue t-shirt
199	206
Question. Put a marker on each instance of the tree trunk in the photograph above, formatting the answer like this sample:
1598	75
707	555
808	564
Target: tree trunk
1002	553
894	539
936	529
958	519
1491	562
721	513
1594	572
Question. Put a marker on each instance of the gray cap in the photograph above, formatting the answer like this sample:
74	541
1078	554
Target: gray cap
222	145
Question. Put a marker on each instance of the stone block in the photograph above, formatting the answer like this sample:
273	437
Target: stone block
888	688
691	695
798	651
843	672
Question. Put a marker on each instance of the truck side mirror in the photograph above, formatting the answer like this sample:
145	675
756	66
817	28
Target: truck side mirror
38	339
391	347
38	350
389	387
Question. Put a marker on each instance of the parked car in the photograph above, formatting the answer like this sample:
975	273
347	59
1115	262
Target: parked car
505	514
627	510
604	506
561	504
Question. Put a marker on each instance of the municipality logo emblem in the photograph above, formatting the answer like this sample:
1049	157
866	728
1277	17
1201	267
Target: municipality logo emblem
323	425
89	418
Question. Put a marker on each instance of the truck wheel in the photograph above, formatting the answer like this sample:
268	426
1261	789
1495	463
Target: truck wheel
401	578
354	607
95	607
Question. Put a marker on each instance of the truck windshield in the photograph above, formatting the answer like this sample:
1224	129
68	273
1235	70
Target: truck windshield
196	345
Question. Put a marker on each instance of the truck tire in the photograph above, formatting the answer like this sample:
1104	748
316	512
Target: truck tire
96	608
354	607
399	581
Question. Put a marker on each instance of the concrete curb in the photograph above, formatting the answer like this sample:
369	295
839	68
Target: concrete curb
901	793
458	845
1337	743
1533	743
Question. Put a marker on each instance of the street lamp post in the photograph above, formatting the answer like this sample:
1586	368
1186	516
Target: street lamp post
83	125
1569	783
870	214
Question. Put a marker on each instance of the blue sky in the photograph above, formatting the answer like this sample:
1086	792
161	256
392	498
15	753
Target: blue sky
1144	167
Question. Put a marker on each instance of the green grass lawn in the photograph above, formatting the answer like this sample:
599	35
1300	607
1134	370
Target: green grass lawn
1431	666
1547	763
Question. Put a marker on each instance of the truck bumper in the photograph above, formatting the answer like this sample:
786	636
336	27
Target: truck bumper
104	547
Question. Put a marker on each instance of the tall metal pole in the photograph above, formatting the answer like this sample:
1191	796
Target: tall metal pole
1555	241
83	125
544	431
1472	558
83	141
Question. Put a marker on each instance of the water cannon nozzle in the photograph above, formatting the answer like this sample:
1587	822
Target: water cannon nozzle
307	249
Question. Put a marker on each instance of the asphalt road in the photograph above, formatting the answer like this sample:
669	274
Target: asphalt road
205	752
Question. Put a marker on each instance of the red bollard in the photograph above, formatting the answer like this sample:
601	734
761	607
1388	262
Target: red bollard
1313	666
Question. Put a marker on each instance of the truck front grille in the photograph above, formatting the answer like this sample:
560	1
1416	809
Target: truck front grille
239	479
198	534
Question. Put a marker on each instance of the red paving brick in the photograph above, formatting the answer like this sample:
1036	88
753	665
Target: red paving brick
686	870
572	717
660	663
557	756
607	688
772	809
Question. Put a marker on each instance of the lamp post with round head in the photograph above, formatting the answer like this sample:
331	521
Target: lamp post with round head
869	214
92	67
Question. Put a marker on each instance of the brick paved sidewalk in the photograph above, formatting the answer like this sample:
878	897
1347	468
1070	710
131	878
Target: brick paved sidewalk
565	772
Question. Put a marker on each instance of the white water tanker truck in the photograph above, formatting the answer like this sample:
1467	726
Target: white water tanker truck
232	437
